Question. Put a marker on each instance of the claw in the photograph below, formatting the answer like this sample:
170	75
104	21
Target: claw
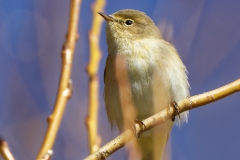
134	128
176	107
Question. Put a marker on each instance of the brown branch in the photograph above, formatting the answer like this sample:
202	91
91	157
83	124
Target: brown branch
159	118
48	155
64	88
5	150
92	69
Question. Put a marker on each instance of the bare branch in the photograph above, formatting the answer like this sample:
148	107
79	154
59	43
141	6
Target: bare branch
92	69
48	155
64	88
159	118
5	150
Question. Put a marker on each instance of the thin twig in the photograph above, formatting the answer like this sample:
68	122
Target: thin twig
159	118
5	150
64	88
92	69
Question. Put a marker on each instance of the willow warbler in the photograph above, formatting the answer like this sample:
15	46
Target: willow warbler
143	75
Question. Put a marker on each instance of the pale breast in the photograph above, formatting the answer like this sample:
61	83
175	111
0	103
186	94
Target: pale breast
141	83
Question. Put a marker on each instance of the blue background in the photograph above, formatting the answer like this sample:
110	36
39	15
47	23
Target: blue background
205	32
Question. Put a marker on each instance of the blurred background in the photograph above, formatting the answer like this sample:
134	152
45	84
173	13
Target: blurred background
205	32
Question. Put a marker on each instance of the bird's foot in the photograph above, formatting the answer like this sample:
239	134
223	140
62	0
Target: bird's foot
141	124
176	112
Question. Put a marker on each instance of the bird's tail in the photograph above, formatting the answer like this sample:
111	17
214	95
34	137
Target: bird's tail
152	143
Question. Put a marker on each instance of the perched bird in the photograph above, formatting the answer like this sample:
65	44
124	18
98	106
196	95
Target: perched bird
143	75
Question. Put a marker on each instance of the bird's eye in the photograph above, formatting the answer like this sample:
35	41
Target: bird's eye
128	22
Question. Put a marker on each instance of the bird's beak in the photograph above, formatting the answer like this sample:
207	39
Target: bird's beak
107	17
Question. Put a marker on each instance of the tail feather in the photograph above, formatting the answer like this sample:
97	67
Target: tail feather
153	142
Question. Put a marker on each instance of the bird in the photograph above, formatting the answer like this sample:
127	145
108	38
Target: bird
143	75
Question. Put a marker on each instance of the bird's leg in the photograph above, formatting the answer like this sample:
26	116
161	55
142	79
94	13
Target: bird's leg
141	124
176	112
